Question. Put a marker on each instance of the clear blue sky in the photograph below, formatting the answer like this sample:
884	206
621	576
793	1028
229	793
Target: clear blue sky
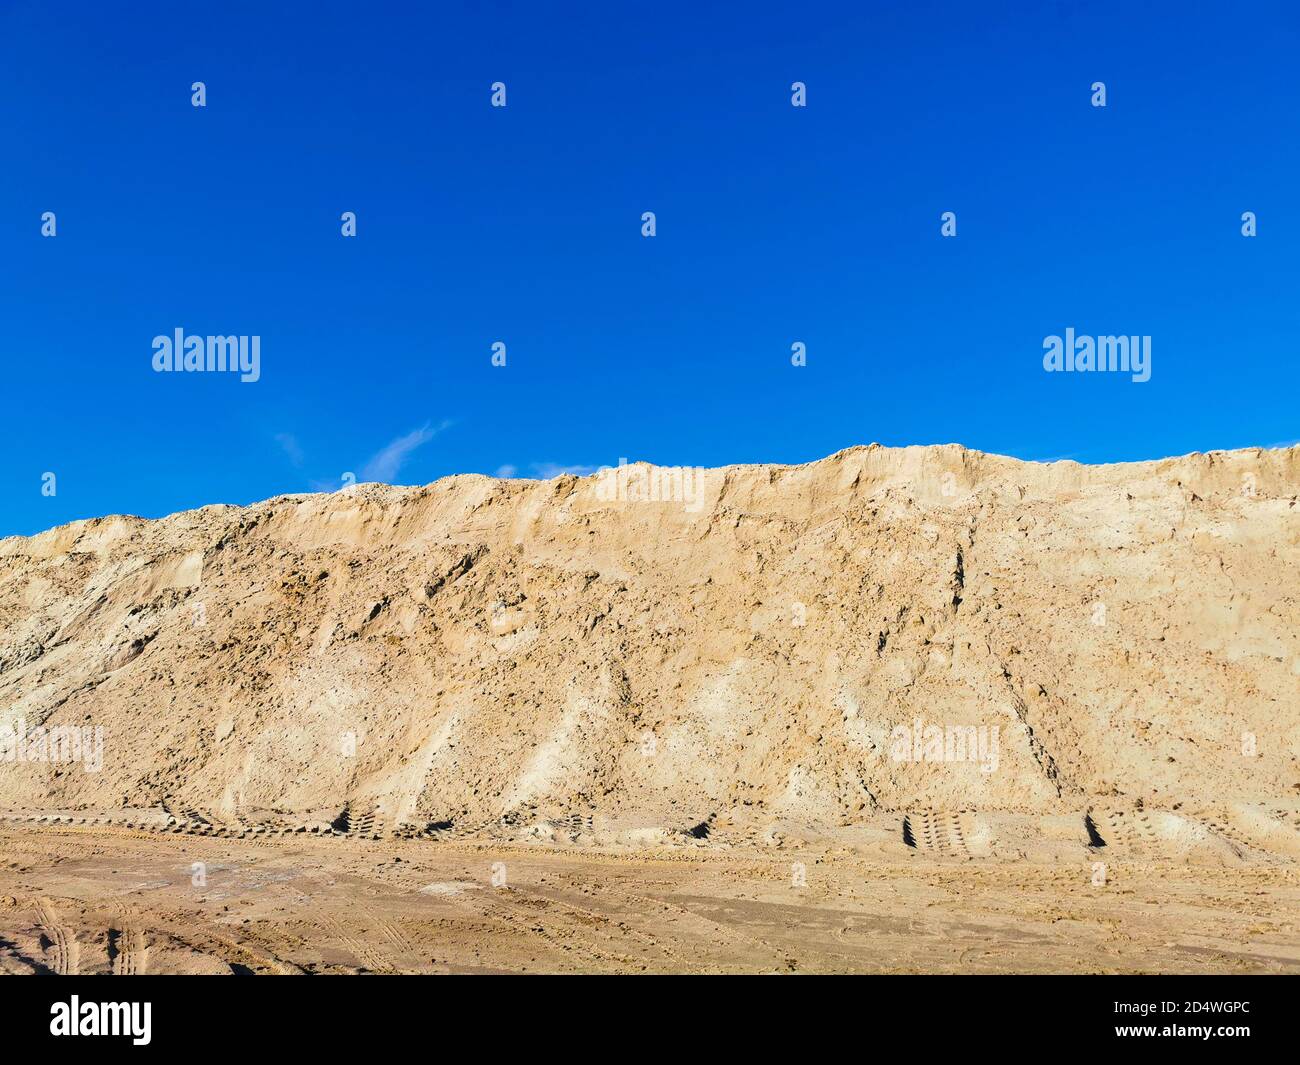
523	225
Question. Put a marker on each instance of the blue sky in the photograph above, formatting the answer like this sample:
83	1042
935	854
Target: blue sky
522	224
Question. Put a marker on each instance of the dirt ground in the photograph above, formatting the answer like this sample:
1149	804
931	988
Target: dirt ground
95	899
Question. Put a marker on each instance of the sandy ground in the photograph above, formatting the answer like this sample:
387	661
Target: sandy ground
78	899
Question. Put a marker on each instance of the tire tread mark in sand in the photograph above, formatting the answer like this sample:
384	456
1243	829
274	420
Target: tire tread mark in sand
647	939
946	834
369	959
369	825
205	941
1251	840
65	950
518	918
390	930
393	933
937	832
128	950
737	937
260	835
1122	828
202	939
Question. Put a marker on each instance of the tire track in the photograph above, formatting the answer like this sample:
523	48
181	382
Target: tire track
372	960
65	951
518	917
128	949
720	929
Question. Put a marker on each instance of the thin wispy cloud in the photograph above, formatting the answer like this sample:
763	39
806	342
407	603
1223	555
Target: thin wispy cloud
1055	458
290	446
387	462
546	470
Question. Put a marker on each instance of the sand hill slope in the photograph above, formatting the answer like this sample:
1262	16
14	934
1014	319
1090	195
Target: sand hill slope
477	648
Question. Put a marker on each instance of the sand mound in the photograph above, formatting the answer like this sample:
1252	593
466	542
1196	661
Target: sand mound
927	630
